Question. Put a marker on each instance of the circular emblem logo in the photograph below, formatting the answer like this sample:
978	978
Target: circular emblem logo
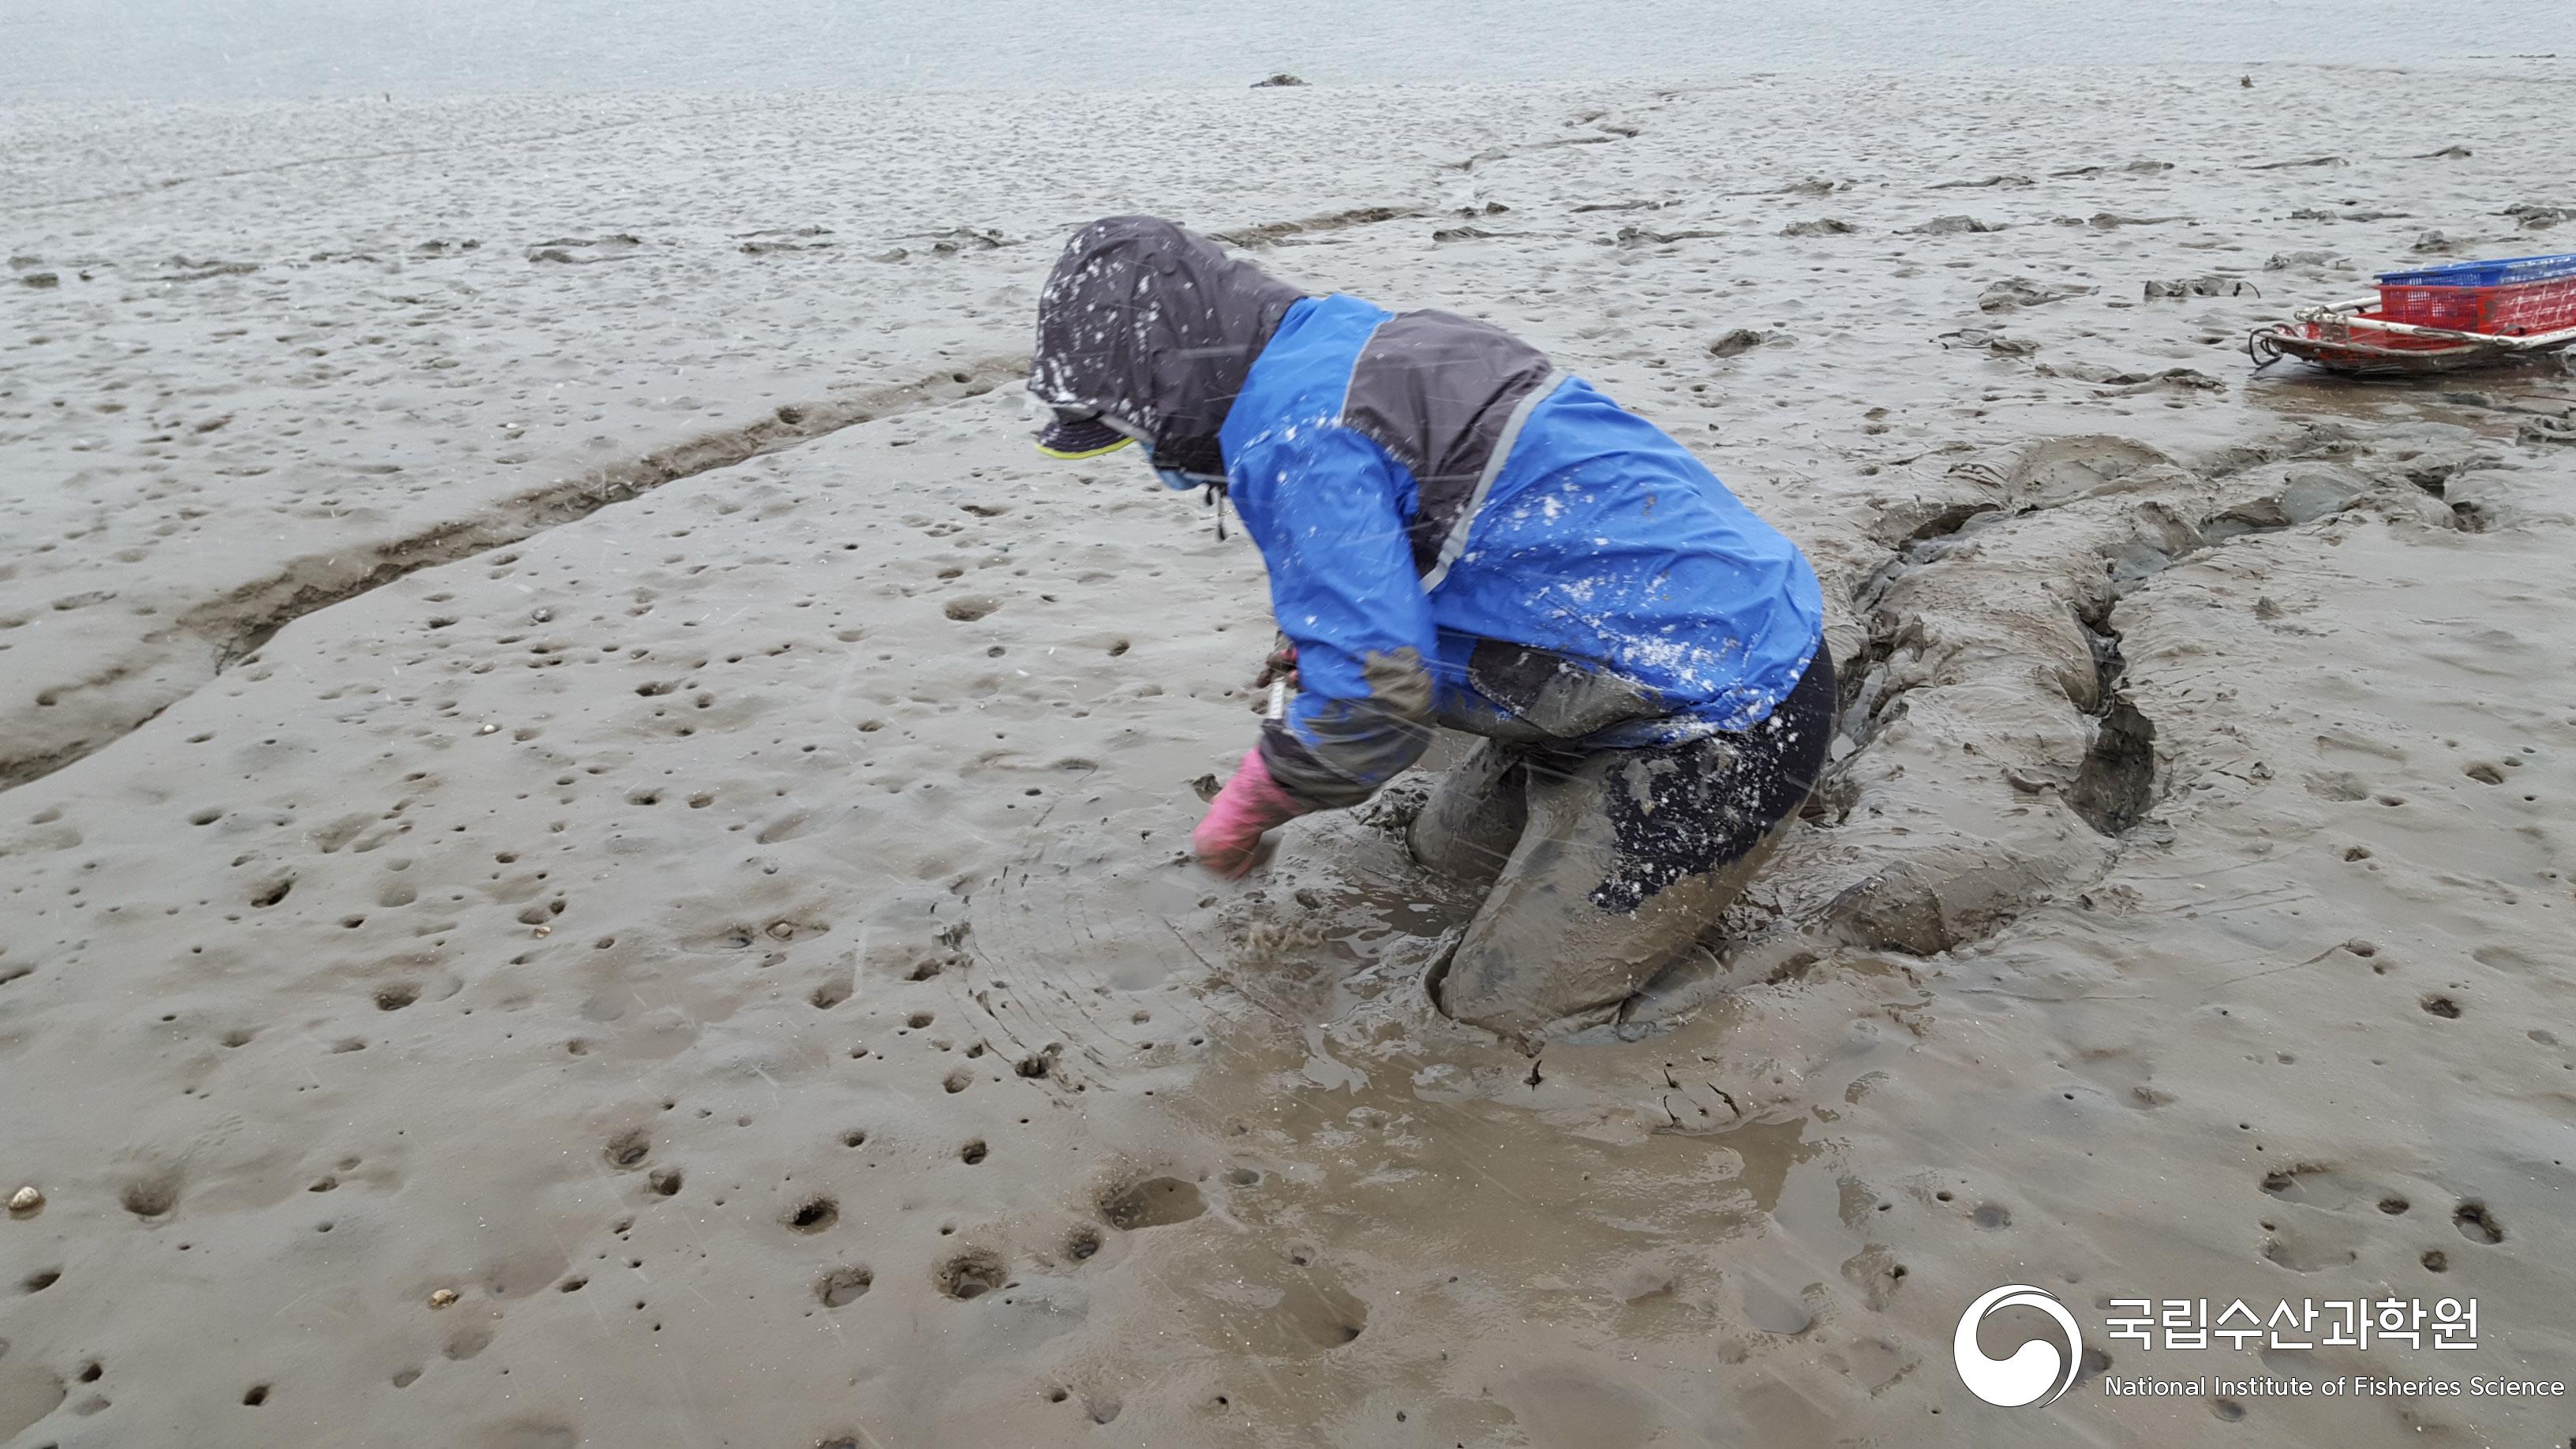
2035	1373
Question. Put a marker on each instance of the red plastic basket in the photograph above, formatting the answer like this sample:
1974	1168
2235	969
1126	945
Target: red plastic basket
2516	310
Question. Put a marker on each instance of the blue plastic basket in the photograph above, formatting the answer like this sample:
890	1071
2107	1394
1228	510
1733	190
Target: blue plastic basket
2505	273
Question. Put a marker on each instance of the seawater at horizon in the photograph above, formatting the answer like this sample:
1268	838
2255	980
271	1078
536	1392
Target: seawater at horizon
223	49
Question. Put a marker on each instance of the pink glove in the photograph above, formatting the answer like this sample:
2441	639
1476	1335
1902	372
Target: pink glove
1249	804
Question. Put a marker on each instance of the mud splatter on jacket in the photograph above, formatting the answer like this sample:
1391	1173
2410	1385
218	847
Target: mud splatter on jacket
1456	533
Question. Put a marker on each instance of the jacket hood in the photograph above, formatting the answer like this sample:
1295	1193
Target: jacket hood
1153	326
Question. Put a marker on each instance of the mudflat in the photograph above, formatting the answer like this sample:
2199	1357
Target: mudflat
592	849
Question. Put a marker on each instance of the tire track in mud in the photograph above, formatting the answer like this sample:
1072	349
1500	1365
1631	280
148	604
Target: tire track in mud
228	629
1991	756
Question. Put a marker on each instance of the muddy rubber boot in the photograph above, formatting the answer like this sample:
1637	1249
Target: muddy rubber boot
1467	827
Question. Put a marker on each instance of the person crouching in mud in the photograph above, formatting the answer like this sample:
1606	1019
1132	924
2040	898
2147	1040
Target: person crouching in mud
1460	535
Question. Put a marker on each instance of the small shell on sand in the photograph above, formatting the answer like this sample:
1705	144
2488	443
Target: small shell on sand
26	1200
442	1298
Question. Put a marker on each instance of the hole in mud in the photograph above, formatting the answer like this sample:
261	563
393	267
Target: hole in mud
972	1153
2394	1205
665	1181
2476	1224
1154	1203
844	1286
2437	1261
38	1282
1082	1245
2442	1006
853	1138
970	1274
256	1395
814	1215
396	997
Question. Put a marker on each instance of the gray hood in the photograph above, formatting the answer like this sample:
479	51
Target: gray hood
1152	325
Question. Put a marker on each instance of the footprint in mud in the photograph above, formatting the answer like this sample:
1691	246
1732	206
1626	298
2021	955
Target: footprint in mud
627	1150
153	1195
1154	1203
844	1286
2318	1185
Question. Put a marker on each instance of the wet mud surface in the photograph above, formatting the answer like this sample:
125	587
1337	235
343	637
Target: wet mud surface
550	902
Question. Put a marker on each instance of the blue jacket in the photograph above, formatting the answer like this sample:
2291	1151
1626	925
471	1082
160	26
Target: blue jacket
1580	578
1457	533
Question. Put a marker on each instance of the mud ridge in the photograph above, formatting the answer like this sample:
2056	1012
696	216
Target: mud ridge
227	630
1912	848
1268	233
1990	691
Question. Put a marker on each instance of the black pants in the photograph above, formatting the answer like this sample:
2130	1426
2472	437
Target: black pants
1608	863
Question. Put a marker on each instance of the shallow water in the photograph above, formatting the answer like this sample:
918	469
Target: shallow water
188	49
